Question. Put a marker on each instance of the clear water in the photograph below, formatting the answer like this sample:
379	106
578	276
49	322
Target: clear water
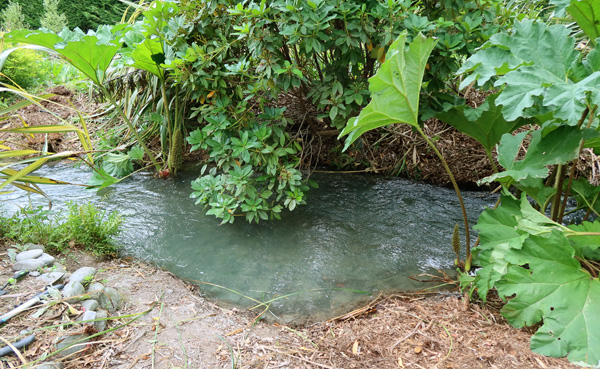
357	233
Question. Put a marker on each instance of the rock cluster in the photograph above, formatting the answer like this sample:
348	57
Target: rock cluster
96	299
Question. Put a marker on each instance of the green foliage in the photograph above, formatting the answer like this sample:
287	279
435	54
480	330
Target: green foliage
551	270
395	88
587	15
52	18
486	124
24	69
12	17
525	253
83	226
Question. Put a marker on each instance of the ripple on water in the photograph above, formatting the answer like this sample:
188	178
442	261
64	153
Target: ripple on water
356	233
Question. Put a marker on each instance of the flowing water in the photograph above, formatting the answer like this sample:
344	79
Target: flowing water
357	236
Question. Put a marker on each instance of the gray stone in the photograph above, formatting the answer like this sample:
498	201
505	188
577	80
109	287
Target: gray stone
101	324
59	268
73	289
34	274
88	315
29	264
96	290
111	299
83	275
49	365
30	254
90	305
50	278
33	246
65	341
47	259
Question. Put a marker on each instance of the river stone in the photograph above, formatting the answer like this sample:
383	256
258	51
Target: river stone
47	259
89	315
83	275
73	289
101	324
57	267
49	365
96	290
34	274
33	246
64	341
29	264
30	254
50	278
90	305
111	299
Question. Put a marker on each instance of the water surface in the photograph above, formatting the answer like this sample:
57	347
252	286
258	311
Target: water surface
356	233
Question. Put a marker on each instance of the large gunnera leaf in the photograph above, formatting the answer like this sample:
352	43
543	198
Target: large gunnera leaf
394	89
485	123
558	146
538	66
556	290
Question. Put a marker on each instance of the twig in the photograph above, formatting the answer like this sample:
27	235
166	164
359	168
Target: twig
405	337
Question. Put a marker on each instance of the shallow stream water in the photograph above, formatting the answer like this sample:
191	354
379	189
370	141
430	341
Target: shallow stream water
357	236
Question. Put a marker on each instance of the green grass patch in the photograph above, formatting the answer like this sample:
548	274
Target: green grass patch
83	226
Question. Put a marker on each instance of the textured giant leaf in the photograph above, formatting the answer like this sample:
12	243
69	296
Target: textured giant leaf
486	123
539	68
502	231
91	53
558	291
394	89
556	147
531	43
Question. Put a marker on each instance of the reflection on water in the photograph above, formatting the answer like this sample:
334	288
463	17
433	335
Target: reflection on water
356	233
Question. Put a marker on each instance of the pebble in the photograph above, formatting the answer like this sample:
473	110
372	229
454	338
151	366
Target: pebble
33	246
65	341
49	365
106	297
101	324
90	305
47	259
29	264
73	289
30	254
50	278
89	315
83	275
57	267
111	299
96	290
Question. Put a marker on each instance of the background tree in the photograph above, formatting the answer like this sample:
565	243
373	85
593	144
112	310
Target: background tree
12	17
52	19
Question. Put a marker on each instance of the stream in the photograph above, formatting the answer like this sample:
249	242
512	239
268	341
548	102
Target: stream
358	235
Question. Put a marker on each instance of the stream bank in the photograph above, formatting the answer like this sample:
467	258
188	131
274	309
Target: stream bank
183	330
